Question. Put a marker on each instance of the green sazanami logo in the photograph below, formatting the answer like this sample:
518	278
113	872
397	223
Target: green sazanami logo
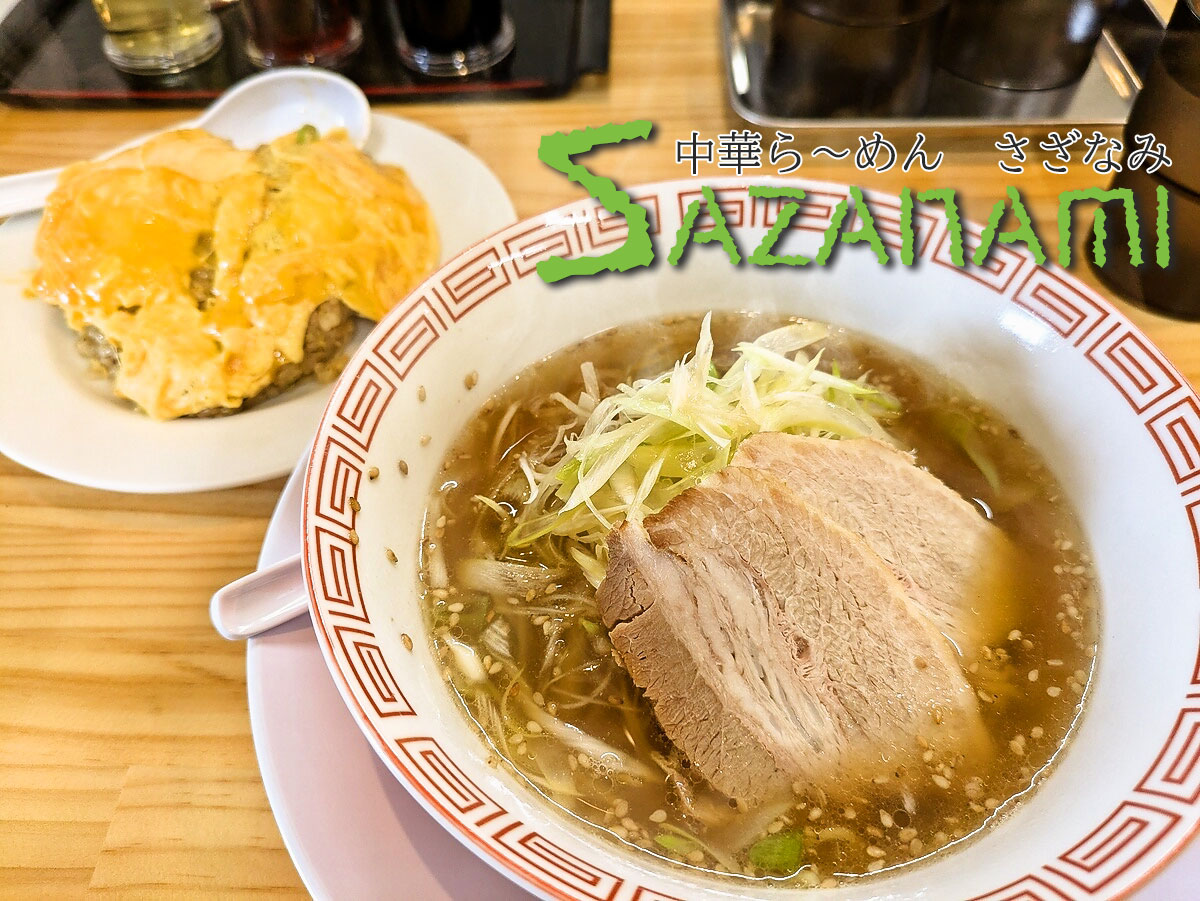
559	149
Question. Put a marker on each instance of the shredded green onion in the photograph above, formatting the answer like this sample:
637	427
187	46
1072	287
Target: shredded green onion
780	854
628	454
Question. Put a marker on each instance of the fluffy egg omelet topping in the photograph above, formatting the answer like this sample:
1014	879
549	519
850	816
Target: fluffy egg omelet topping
203	277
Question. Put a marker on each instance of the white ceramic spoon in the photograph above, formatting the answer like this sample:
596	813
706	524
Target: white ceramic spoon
260	601
254	111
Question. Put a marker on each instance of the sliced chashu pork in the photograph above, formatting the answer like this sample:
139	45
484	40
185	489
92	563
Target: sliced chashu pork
956	565
773	644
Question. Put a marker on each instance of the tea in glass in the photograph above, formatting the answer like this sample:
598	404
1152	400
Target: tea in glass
158	36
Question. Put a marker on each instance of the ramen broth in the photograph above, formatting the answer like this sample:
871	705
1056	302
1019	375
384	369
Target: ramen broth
525	651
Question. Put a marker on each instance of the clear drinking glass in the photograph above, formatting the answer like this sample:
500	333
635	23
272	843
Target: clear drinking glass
301	32
158	37
453	37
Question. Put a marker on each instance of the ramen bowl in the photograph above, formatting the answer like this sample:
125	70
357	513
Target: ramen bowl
1119	427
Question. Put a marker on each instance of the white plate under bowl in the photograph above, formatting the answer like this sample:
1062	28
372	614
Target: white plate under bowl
1113	419
324	782
58	420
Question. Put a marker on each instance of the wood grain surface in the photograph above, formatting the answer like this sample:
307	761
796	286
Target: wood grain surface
126	761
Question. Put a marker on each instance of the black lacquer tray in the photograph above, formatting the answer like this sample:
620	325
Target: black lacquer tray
50	56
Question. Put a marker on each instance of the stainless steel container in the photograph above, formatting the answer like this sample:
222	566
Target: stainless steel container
955	97
1021	44
856	58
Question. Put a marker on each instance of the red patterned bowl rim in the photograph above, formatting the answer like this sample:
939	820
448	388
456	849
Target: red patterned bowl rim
1156	819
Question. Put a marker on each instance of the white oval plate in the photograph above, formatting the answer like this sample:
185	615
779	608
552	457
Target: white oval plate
322	790
58	420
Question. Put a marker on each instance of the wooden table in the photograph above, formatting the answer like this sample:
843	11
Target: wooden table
126	761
